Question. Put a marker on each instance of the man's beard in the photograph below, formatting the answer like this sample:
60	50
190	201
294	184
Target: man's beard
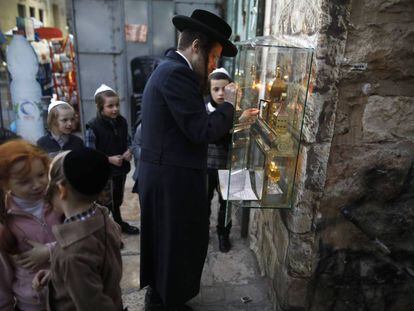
202	76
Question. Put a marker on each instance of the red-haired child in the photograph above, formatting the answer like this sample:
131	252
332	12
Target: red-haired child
26	237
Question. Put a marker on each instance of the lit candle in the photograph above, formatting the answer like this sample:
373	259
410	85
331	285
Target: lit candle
269	85
273	172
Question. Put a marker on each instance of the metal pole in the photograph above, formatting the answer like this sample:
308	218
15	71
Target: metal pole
2	58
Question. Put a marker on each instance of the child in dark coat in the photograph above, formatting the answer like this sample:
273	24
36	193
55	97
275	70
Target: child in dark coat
218	153
108	133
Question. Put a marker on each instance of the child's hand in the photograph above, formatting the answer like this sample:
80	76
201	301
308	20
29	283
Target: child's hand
127	156
35	258
248	115
40	280
230	93
116	160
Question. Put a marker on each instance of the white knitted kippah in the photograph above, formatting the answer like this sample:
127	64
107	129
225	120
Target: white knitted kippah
54	103
222	70
103	88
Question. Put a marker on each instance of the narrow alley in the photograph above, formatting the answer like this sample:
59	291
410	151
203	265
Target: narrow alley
227	278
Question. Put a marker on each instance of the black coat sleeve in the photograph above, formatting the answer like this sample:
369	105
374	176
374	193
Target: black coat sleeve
181	93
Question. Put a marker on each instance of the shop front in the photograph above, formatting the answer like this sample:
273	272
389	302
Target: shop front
37	64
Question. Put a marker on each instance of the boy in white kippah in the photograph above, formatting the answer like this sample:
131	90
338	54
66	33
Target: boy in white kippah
61	122
108	133
218	153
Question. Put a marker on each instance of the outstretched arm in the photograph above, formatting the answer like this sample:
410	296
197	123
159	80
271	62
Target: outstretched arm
182	95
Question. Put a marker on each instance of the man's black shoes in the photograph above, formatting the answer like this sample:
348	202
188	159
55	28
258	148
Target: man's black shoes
224	243
153	301
179	308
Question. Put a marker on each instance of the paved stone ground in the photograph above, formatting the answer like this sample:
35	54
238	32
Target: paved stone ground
226	277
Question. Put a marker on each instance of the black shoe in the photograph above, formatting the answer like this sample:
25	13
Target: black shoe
153	301
224	243
179	308
153	307
122	245
128	229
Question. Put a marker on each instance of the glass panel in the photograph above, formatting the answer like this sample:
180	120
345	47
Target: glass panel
272	77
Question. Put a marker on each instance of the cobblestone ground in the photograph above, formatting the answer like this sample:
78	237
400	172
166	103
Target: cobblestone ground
226	277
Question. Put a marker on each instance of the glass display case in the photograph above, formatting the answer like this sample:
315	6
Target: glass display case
263	159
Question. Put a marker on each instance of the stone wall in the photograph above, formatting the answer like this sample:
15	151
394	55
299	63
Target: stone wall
284	240
365	229
347	243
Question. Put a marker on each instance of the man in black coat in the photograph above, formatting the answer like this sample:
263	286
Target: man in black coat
176	130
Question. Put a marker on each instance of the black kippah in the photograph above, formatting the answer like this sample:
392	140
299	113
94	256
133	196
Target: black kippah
87	170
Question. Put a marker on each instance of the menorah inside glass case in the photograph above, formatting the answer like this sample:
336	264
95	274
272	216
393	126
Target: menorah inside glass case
263	158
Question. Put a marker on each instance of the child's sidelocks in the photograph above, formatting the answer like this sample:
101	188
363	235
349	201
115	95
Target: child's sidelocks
86	265
107	102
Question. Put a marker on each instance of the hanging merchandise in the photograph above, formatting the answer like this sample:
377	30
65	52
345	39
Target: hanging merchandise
41	48
25	90
62	56
57	72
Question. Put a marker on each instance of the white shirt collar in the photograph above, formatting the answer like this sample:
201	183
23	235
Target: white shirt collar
61	140
210	108
182	55
34	208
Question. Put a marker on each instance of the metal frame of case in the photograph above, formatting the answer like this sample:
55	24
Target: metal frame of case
274	76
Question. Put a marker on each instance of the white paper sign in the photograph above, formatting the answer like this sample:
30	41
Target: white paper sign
240	185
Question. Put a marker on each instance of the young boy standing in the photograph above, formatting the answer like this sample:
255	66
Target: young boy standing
218	153
108	133
86	267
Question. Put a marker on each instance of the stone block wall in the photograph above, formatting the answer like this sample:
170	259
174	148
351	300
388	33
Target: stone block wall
347	244
365	229
285	240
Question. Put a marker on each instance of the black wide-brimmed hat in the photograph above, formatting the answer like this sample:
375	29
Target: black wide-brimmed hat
87	170
210	24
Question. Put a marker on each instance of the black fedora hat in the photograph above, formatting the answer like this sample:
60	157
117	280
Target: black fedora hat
210	24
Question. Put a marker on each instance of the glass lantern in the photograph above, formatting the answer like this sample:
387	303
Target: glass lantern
274	78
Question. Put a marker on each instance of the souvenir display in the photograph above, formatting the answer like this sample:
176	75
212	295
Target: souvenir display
264	155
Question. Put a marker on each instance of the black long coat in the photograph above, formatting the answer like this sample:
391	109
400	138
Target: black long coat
176	130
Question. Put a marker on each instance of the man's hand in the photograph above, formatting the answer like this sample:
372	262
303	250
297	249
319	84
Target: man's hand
40	280
230	91
249	115
33	259
127	156
116	160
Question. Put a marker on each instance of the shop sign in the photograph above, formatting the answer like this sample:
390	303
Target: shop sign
136	33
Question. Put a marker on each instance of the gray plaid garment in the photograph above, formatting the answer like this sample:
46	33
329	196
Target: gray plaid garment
217	153
216	157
